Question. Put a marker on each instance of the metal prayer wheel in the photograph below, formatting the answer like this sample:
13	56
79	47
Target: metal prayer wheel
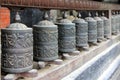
67	38
106	26
100	29
17	48
81	32
45	35
113	24
92	29
117	22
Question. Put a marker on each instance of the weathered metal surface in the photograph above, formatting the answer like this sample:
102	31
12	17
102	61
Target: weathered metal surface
67	38
45	35
113	24
100	29
117	22
17	48
60	4
92	30
106	27
81	32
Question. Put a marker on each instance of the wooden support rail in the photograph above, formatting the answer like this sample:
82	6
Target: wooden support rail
60	4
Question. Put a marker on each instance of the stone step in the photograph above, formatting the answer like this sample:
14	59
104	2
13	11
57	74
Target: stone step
116	74
99	65
110	70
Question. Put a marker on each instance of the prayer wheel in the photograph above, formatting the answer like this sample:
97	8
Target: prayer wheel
45	35
17	48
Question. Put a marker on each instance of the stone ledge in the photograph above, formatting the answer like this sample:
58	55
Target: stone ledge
57	72
96	67
116	75
111	69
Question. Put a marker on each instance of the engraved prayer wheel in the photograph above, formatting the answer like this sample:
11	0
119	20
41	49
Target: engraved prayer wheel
117	22
67	39
106	26
81	32
113	24
92	29
17	48
45	35
100	29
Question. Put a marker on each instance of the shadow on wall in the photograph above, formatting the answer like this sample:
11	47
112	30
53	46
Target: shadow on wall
29	16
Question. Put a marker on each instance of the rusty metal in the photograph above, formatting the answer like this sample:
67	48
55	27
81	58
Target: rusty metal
60	4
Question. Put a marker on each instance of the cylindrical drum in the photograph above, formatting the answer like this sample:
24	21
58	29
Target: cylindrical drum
106	27
81	32
119	20
117	23
67	39
113	25
100	29
45	35
92	30
17	48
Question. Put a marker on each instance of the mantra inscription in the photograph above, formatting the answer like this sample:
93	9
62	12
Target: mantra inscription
106	28
82	34
48	35
81	28
100	30
17	50
66	31
92	31
15	61
44	51
117	24
114	29
82	41
67	44
16	39
67	39
45	43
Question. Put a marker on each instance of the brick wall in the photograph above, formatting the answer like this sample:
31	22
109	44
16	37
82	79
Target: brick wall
4	17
